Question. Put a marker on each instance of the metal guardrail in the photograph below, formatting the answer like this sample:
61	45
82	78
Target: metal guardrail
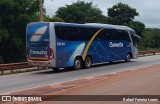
149	52
15	66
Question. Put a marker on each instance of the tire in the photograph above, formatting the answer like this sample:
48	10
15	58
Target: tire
77	63
88	62
128	58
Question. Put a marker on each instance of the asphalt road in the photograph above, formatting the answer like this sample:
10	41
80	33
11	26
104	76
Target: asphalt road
14	82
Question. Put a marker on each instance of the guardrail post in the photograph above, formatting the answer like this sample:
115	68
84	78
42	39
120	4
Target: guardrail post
154	53
2	72
11	70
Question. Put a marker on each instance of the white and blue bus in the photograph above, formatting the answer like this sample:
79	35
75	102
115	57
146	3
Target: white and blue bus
60	45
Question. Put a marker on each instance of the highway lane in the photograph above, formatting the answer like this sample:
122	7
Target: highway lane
9	83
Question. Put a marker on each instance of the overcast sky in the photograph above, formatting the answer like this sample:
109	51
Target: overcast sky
149	10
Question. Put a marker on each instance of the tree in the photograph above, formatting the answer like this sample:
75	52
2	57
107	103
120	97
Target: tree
121	14
5	5
150	39
56	19
14	16
137	26
80	12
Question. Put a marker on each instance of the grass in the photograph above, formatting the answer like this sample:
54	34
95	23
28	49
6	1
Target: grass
146	49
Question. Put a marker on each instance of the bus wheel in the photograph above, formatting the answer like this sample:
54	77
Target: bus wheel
77	63
88	62
128	58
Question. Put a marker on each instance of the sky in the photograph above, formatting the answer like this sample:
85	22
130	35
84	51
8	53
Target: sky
149	10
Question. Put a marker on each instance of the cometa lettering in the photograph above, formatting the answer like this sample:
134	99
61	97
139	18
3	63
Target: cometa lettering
38	52
111	44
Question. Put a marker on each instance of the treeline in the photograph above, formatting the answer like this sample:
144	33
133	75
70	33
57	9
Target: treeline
150	39
16	14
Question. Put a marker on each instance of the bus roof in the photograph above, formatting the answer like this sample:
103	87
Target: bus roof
95	25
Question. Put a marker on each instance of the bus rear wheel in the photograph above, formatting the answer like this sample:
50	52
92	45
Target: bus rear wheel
77	63
128	58
88	62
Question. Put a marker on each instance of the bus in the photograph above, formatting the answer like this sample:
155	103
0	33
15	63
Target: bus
62	45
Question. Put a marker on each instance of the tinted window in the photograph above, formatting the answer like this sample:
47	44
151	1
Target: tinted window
75	33
115	34
119	35
67	33
85	34
125	36
105	34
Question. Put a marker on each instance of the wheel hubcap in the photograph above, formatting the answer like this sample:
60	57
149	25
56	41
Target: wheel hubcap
88	62
128	58
77	63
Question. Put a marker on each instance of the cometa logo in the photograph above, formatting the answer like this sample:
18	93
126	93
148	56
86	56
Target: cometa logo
38	52
111	44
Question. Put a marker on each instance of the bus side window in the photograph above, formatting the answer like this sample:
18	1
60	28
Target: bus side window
87	33
115	34
103	35
58	31
107	35
100	36
84	34
73	33
125	36
92	31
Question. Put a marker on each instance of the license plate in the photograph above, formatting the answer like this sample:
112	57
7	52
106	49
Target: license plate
37	63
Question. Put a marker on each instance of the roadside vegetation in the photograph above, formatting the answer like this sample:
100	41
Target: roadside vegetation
16	14
150	39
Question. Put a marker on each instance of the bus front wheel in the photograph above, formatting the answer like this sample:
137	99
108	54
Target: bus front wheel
128	58
77	63
88	62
